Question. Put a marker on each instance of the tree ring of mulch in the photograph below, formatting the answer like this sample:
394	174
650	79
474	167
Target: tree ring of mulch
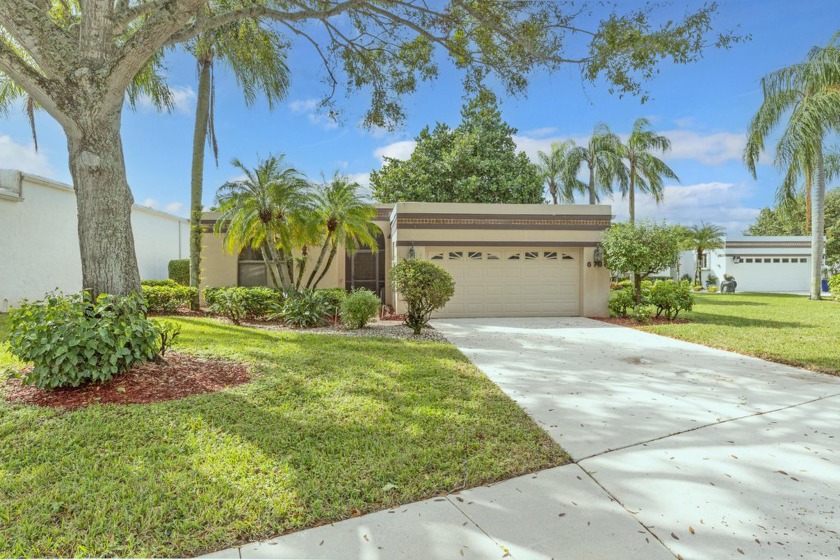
181	375
630	322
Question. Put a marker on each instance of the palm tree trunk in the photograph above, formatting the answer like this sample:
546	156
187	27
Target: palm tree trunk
320	260
631	197
552	188
333	251
808	206
270	266
592	198
817	227
202	114
698	274
275	262
301	269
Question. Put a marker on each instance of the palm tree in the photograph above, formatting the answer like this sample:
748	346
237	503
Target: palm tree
702	238
644	169
602	157
344	219
559	173
266	210
257	58
809	94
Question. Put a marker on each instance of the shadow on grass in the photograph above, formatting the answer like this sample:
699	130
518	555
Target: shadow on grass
701	318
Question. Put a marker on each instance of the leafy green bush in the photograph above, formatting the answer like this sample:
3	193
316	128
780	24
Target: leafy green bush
621	301
179	271
167	298
333	297
642	313
712	289
425	287
670	298
834	286
167	332
256	302
305	309
685	278
167	282
358	308
621	285
74	339
697	288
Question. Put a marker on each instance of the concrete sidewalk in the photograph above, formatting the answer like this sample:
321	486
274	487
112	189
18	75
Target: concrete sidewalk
679	449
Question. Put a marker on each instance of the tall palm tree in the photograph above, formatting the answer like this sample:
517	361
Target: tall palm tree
702	238
808	94
559	173
257	58
645	171
266	210
602	156
345	219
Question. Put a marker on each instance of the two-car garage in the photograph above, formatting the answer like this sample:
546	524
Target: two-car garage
511	282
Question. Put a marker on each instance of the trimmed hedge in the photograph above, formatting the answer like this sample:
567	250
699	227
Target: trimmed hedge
166	298
179	271
358	308
238	302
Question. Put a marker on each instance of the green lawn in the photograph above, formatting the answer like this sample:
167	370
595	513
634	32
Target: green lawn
330	427
783	328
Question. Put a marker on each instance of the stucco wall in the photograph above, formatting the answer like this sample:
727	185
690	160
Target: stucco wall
39	244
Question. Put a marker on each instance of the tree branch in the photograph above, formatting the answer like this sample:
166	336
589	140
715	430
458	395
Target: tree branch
35	84
49	45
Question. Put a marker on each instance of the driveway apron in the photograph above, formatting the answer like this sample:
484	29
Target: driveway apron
717	455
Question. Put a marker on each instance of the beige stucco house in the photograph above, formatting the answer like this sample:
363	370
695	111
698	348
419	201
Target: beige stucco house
506	259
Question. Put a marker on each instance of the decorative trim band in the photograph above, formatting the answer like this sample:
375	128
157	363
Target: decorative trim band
768	245
500	222
498	243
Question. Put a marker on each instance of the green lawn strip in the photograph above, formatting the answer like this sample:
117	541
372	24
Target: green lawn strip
330	426
783	328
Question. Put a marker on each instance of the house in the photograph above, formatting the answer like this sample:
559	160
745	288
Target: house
758	263
40	241
506	259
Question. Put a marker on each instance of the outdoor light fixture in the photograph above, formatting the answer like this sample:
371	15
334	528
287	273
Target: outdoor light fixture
597	257
411	252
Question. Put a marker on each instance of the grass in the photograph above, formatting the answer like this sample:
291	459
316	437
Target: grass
782	328
329	428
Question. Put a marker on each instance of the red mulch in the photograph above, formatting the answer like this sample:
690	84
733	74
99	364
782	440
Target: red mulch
629	322
180	376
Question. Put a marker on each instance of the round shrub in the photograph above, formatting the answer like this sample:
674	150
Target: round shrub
834	286
621	302
670	298
75	339
425	287
712	289
358	308
166	298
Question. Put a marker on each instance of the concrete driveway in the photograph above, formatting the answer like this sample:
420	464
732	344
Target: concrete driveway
717	455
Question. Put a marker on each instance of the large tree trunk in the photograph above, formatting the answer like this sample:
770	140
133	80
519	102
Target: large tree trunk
818	228
202	114
631	196
592	198
104	201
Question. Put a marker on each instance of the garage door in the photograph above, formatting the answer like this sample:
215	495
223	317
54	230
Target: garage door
492	282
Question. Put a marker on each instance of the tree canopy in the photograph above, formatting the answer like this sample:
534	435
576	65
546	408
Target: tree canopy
475	162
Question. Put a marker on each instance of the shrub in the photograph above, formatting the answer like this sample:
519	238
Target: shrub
333	297
179	271
304	309
711	280
621	285
711	289
256	302
697	288
358	308
424	286
74	339
167	282
686	278
642	313
621	301
834	286
167	332
670	298
166	298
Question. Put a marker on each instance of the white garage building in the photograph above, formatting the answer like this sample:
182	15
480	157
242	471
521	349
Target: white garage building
758	263
39	251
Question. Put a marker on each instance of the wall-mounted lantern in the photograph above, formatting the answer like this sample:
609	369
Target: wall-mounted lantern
411	252
597	256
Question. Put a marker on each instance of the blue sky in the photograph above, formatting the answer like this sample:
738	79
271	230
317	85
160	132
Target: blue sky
703	107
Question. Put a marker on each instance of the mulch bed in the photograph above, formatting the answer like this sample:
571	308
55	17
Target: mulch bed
629	322
180	376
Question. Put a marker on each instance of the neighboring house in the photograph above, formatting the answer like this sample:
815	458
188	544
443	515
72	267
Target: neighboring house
39	251
506	259
758	263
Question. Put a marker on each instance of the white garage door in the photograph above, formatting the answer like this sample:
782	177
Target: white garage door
499	282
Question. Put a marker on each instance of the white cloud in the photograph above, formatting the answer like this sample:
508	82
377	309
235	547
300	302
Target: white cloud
532	144
311	107
23	158
714	202
539	132
183	100
364	182
177	208
709	149
395	150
